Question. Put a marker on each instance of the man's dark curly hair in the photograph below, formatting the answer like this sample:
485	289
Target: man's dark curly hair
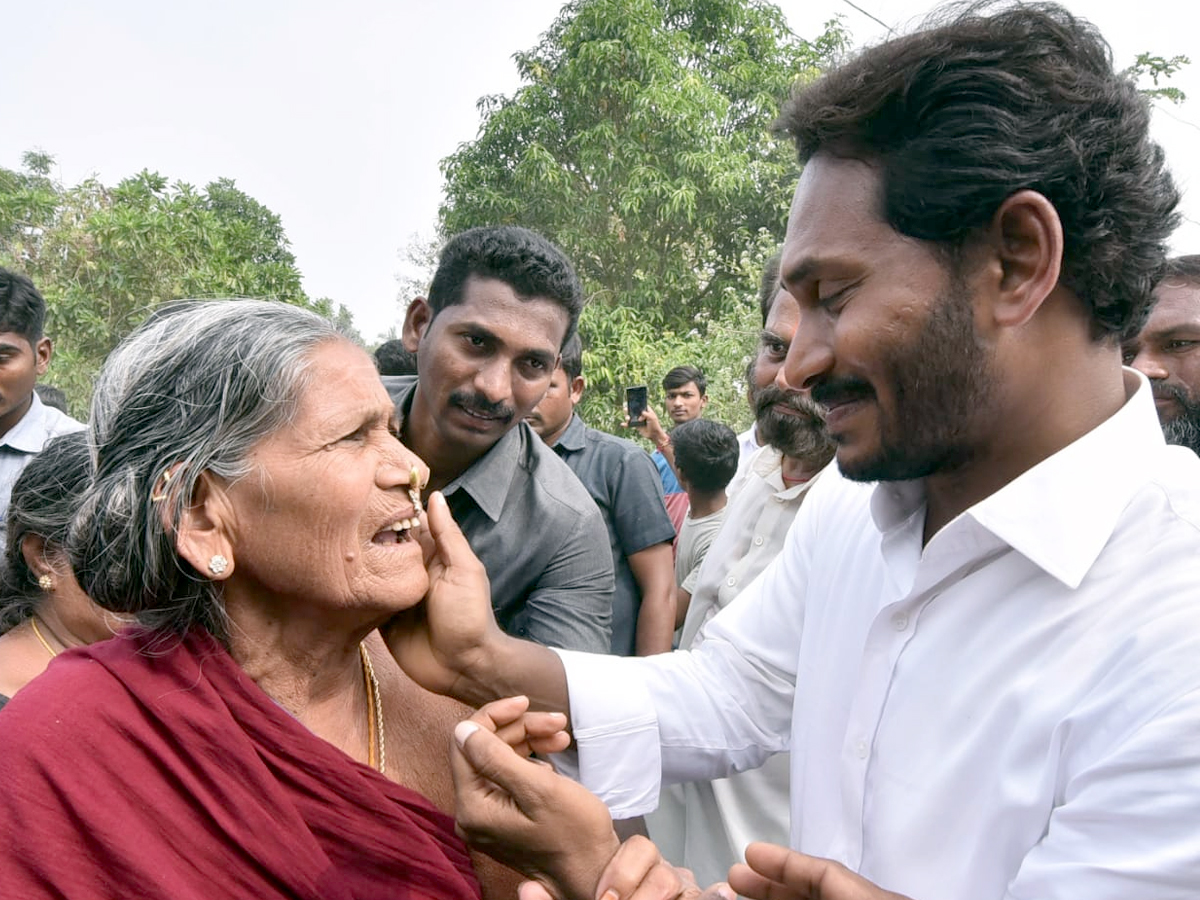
990	99
524	260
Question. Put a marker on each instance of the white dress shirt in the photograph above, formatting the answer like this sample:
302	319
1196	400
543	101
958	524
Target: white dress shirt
748	446
19	444
1011	711
706	825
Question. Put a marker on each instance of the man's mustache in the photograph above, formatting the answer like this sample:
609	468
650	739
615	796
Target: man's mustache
1167	390
772	396
835	391
482	406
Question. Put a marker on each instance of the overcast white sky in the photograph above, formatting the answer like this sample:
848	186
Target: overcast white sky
335	115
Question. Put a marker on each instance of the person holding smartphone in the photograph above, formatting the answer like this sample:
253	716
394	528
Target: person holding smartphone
685	390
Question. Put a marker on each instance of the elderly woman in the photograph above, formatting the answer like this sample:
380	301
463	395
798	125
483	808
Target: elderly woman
253	738
43	611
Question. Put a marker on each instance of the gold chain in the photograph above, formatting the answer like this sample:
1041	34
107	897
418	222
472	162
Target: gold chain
37	632
376	752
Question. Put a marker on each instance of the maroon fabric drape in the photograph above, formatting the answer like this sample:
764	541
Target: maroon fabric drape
130	770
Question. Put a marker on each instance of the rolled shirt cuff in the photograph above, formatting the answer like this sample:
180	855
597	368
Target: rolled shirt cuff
616	732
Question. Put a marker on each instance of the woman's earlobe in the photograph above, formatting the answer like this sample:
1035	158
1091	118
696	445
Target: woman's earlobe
202	536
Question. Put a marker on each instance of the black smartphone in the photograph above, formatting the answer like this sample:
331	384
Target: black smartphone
635	402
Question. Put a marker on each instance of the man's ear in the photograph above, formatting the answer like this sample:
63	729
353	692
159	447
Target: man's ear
203	535
577	385
1025	245
416	320
42	352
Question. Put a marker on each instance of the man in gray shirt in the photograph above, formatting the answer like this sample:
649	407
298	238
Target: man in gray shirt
626	488
501	305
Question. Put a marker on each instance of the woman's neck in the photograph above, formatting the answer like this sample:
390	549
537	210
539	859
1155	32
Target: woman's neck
313	671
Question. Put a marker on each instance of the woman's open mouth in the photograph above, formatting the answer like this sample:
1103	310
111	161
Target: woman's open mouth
398	532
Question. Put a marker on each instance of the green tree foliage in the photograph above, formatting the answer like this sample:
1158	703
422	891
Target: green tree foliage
1158	69
105	257
640	142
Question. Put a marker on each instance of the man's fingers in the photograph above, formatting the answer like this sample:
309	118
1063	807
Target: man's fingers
776	873
749	883
773	861
453	551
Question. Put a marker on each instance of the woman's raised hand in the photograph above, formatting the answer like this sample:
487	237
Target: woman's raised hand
521	812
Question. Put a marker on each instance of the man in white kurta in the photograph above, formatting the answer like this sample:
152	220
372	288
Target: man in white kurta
706	825
1011	711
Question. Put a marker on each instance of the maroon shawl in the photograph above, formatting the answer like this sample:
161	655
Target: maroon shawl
132	772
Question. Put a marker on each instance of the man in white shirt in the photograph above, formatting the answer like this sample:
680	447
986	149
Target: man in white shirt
26	424
986	666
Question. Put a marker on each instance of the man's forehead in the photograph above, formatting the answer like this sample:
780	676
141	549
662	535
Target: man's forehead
1176	304
489	305
10	340
835	206
784	314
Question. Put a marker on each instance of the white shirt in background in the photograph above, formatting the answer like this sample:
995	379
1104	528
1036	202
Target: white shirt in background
18	446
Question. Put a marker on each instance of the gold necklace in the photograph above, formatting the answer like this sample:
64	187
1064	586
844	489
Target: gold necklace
376	753
37	632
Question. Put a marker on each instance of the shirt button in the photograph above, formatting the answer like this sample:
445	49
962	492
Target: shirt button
862	749
900	622
731	581
758	541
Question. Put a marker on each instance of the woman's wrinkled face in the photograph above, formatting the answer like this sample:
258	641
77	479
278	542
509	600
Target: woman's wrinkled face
324	517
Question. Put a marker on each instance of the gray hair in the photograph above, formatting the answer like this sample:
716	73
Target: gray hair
193	389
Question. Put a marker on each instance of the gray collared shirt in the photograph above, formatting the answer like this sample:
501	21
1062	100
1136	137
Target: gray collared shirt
539	535
625	485
18	446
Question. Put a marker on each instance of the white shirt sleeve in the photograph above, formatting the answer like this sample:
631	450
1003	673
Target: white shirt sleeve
699	714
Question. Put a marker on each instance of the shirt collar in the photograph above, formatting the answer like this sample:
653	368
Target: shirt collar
29	434
489	479
767	464
1060	513
574	438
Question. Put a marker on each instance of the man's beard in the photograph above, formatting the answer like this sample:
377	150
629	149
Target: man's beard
941	386
799	436
1184	429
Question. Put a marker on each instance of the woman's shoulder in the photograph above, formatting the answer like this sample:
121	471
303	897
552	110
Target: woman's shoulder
74	693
